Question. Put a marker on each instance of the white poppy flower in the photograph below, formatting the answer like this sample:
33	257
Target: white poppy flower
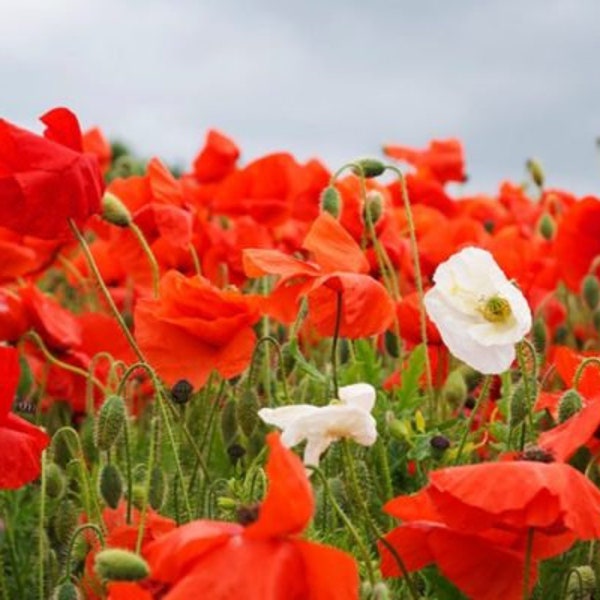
350	417
479	313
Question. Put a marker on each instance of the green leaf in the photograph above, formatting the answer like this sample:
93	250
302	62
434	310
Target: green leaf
408	395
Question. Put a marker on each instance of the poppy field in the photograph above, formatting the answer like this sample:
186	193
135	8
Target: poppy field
261	379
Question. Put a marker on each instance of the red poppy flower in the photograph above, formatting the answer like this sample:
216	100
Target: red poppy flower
44	181
194	328
217	159
21	443
271	563
340	268
442	160
95	142
577	241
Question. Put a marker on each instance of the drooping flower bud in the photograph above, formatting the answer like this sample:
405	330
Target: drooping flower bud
110	485
546	226
569	404
368	167
331	201
55	481
581	583
539	335
65	520
115	564
455	390
247	411
373	207
114	211
110	422
590	290
536	171
66	591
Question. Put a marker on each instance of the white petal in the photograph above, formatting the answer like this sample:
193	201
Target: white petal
284	416
314	448
360	395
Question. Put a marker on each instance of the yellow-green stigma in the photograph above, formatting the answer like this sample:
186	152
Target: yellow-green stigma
496	310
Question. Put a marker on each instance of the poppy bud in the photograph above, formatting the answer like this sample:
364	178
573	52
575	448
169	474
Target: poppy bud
114	211
590	290
116	564
455	390
110	422
229	427
518	405
581	583
65	521
247	412
110	485
368	167
235	452
331	201
158	488
182	391
373	207
569	404
546	226
539	335
536	172
55	481
66	591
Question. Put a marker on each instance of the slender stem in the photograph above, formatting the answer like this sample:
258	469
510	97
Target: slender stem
109	300
195	260
527	379
482	396
37	340
418	276
148	252
528	551
585	363
362	548
41	532
149	468
334	344
255	354
129	465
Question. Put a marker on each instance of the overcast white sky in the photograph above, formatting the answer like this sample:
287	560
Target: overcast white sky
332	79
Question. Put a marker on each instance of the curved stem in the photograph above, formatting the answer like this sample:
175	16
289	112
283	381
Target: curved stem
109	300
590	360
334	344
76	533
482	396
148	252
418	275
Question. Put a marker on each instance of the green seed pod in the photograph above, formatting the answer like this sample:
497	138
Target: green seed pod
110	485
581	584
331	201
114	211
229	426
158	488
455	390
518	405
65	520
115	564
536	171
590	290
55	481
66	591
368	167
247	411
546	226
569	404
110	422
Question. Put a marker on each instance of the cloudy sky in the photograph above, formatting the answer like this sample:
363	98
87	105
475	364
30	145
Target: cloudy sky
329	79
